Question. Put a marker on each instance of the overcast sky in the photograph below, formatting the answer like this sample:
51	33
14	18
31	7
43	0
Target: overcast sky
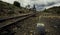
40	4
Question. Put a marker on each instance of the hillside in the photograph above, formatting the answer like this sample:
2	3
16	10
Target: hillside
9	10
55	10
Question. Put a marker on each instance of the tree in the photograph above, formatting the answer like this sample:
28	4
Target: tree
28	6
17	4
45	10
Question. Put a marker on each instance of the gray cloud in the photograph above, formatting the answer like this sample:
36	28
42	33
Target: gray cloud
40	4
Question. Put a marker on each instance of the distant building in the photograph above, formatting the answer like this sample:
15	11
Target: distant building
34	8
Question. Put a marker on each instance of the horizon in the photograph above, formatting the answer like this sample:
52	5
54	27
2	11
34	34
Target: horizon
40	4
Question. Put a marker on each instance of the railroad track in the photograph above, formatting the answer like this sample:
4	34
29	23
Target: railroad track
7	25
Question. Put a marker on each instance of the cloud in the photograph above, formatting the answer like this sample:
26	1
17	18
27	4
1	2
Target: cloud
25	2
9	1
40	4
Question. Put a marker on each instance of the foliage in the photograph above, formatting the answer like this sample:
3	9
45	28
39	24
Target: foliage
16	3
55	9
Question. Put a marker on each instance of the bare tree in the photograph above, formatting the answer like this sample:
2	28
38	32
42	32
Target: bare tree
28	6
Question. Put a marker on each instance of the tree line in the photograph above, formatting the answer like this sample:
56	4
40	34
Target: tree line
16	3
